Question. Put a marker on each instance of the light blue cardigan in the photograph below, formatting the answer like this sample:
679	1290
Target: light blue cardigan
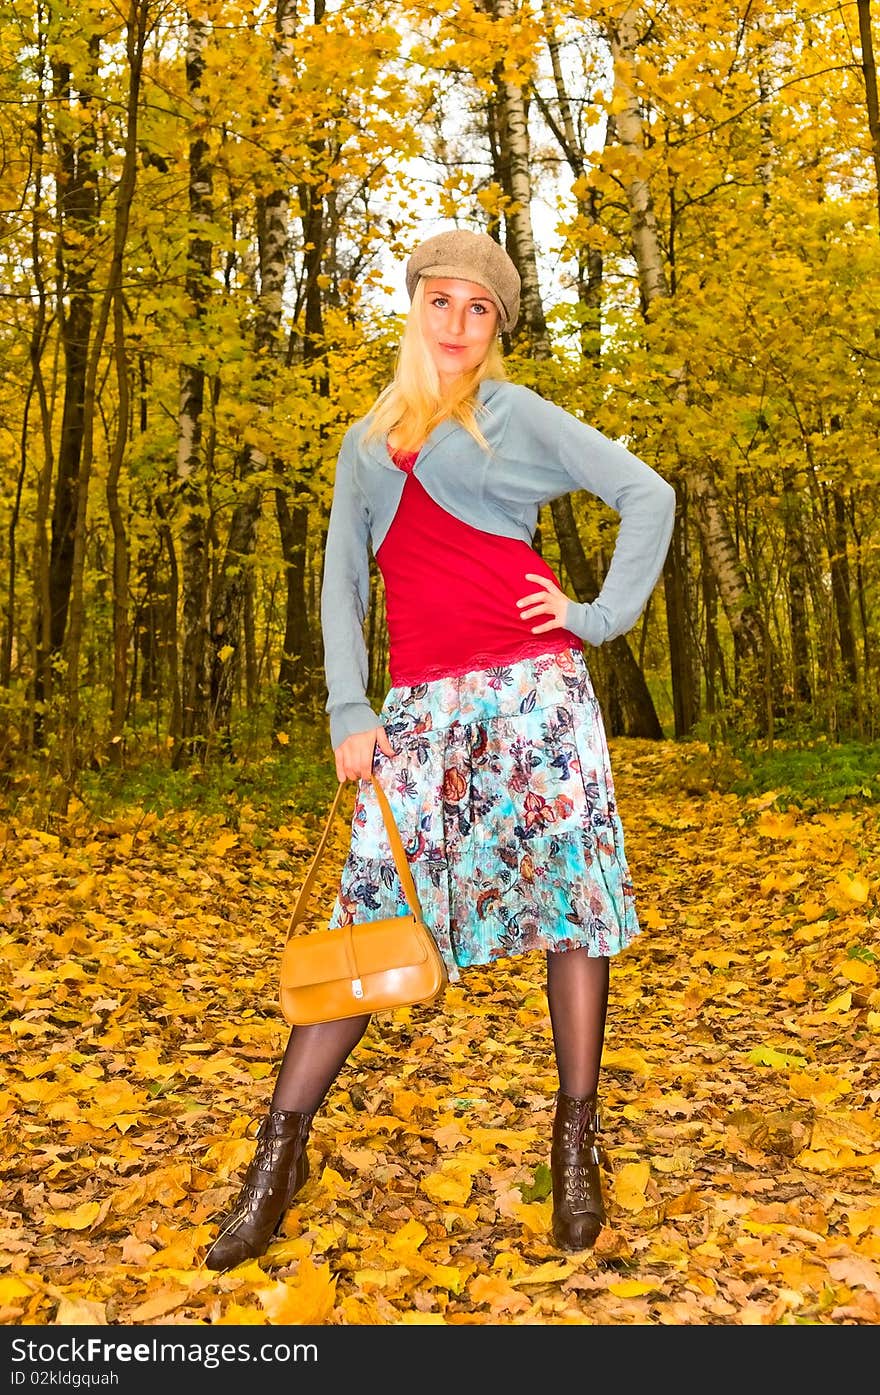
538	452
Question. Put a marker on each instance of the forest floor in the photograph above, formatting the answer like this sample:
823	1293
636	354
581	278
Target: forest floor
140	1036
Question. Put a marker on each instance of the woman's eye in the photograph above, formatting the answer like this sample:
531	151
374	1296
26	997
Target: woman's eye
439	301
480	309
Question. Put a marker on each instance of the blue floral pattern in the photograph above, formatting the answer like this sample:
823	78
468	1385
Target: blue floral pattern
502	790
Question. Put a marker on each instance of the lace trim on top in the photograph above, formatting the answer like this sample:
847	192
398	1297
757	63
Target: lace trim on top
534	649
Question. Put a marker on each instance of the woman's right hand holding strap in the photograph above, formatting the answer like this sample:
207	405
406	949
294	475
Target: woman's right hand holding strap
354	757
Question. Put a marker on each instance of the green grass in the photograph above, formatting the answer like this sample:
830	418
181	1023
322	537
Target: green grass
283	781
818	773
272	780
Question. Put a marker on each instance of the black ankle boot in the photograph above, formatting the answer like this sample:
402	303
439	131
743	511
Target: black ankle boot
279	1168
578	1207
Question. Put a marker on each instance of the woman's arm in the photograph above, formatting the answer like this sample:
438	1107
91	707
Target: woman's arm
345	592
586	459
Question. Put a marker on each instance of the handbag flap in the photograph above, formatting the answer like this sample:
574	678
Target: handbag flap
321	957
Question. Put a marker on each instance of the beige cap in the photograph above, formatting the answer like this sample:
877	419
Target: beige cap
469	256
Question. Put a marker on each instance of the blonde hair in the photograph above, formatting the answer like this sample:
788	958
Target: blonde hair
413	404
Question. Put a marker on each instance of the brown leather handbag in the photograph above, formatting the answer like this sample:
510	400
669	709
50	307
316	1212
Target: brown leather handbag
355	969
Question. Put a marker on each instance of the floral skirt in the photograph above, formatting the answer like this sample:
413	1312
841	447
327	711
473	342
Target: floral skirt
502	791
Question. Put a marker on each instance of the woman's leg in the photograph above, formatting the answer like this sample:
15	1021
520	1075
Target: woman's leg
312	1059
577	995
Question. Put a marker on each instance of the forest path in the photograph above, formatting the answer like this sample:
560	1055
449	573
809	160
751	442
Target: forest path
739	1092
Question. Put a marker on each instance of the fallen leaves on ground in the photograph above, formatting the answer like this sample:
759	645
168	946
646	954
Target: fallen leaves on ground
740	1089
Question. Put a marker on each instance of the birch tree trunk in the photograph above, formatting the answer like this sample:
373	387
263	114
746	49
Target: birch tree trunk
191	731
39	618
620	683
77	186
298	661
513	135
745	622
228	599
135	39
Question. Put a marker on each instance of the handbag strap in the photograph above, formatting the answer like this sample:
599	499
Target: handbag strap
409	888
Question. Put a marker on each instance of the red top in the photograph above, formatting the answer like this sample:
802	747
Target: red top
451	592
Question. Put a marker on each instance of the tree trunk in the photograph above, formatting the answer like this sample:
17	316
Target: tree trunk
135	39
679	629
121	560
39	334
620	684
297	668
77	186
618	679
720	548
796	585
841	589
869	69
226	607
191	734
513	135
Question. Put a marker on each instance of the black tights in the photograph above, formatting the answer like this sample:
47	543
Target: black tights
577	993
313	1058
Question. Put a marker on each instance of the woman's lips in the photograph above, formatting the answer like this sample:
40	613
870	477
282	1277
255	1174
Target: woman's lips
452	348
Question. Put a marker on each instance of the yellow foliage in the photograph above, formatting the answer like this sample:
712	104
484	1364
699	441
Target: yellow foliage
306	1301
79	1218
634	1288
630	1182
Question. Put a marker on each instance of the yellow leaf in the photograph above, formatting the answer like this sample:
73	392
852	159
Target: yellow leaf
812	909
553	1272
630	1182
165	1301
84	890
858	972
79	1219
441	1275
821	1089
80	1312
11	1286
773	825
225	653
535	1215
630	1288
856	888
804	934
282	738
238	1316
496	1291
221	845
844	1160
626	1058
842	1003
306	1300
452	1182
866	1219
408	1238
651	918
334	1184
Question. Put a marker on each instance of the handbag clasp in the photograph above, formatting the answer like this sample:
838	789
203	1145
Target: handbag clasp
357	988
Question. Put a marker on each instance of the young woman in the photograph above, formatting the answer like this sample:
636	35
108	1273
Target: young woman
490	744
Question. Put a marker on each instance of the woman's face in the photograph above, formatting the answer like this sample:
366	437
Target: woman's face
460	320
